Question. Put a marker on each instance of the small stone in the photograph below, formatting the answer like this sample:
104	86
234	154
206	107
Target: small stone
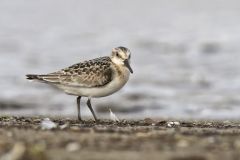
169	125
48	124
209	123
176	123
161	123
172	124
37	120
149	121
226	122
64	126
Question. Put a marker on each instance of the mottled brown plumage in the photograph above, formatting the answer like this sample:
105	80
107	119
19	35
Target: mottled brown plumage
92	73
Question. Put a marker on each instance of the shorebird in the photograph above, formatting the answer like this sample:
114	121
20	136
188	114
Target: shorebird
98	77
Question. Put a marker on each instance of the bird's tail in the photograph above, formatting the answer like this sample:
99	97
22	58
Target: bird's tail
33	77
49	78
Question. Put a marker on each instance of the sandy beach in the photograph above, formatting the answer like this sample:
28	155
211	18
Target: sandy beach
24	138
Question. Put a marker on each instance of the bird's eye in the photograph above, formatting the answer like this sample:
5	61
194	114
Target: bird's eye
117	55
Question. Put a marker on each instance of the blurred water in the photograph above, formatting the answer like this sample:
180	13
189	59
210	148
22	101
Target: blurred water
185	55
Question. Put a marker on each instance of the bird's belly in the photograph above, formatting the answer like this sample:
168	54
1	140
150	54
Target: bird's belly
102	91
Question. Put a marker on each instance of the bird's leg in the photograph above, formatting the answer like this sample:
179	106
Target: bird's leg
90	107
78	108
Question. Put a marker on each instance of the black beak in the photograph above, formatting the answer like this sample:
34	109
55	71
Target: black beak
126	63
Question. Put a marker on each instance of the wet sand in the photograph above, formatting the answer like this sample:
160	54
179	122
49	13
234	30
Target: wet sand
23	138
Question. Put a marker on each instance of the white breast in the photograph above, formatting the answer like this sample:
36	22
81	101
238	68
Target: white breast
116	84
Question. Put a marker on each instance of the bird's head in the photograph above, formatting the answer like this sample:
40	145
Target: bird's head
122	56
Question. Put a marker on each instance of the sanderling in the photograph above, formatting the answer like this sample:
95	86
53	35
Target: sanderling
98	77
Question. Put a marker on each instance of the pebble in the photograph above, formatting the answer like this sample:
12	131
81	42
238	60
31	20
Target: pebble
209	124
169	125
149	121
176	123
64	126
48	124
172	124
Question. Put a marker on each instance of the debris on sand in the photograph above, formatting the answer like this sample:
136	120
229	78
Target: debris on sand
48	124
113	116
173	124
149	121
64	126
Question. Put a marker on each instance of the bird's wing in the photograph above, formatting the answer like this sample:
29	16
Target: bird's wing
92	73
